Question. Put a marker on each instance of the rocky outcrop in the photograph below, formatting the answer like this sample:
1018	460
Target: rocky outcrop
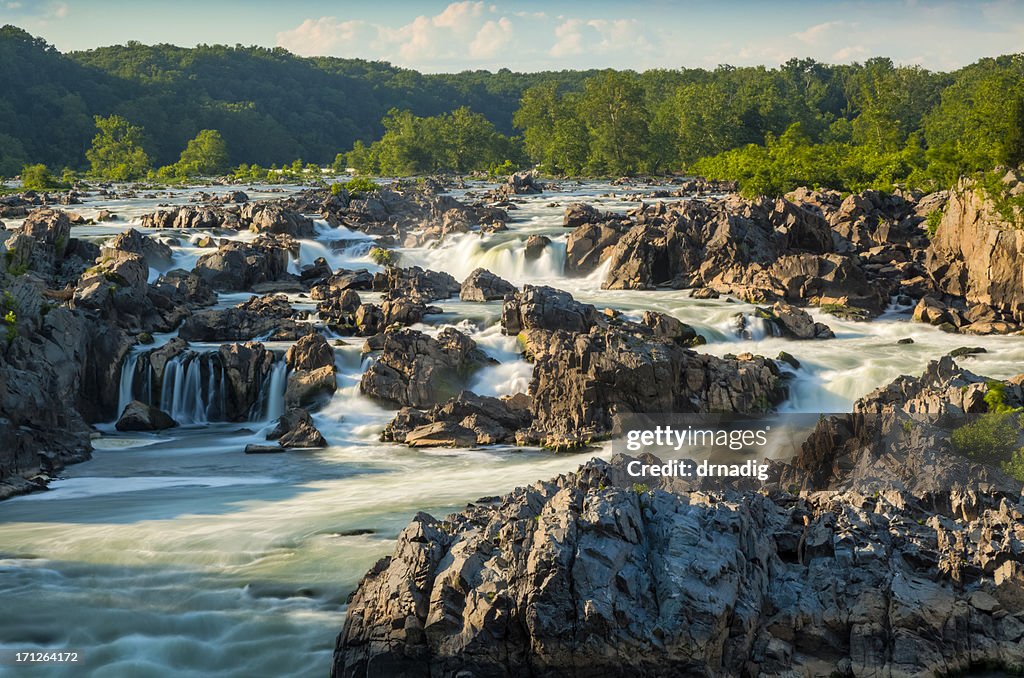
900	437
342	280
482	285
311	372
138	416
155	254
417	370
545	308
295	429
795	323
415	284
975	256
246	368
593	574
261	217
187	216
268	316
589	369
463	421
238	266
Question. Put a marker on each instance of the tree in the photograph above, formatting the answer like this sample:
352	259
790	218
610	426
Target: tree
205	155
612	107
39	178
117	152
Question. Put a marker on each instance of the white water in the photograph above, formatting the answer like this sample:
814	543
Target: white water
177	554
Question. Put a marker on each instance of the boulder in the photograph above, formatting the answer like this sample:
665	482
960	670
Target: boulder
237	266
270	218
416	284
463	421
187	216
246	369
156	254
295	429
312	373
535	245
138	416
482	285
545	308
666	327
417	370
590	245
795	323
270	316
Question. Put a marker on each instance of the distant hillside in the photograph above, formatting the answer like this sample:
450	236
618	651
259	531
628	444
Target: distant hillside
270	105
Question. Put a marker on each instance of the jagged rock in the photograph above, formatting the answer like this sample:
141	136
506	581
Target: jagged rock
138	416
312	377
155	254
590	245
416	284
579	213
270	218
237	266
672	329
975	255
545	308
342	280
269	315
704	293
246	367
419	371
463	421
295	428
186	216
590	570
535	245
185	289
795	323
582	383
898	436
482	285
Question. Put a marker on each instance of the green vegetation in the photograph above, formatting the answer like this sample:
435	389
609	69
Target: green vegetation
384	257
8	316
205	155
116	153
358	186
39	178
992	438
848	127
460	141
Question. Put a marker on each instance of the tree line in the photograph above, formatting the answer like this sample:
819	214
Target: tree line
849	127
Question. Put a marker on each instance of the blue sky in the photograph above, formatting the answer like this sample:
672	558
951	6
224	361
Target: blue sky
530	35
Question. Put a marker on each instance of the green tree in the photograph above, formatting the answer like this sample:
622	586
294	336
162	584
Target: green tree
612	107
117	152
205	155
39	178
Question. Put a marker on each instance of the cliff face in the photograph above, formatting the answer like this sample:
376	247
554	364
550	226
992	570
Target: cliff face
589	575
976	254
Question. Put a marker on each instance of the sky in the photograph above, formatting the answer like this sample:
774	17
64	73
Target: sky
527	35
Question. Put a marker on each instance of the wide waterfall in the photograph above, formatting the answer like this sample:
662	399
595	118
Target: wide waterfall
193	388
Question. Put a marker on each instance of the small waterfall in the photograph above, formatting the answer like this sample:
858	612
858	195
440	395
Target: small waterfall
503	256
271	403
751	327
124	390
194	390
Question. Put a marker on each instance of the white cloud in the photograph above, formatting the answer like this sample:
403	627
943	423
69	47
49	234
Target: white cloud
491	39
818	33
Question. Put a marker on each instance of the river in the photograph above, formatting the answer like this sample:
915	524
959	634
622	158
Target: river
176	554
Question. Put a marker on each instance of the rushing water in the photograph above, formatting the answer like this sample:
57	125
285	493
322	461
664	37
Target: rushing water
176	554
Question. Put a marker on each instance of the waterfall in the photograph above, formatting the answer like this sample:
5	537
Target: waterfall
193	389
271	402
124	390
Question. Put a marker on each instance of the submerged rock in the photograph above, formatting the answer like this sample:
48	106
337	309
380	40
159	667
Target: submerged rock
138	416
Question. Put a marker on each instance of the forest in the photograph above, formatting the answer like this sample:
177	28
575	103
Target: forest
850	127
